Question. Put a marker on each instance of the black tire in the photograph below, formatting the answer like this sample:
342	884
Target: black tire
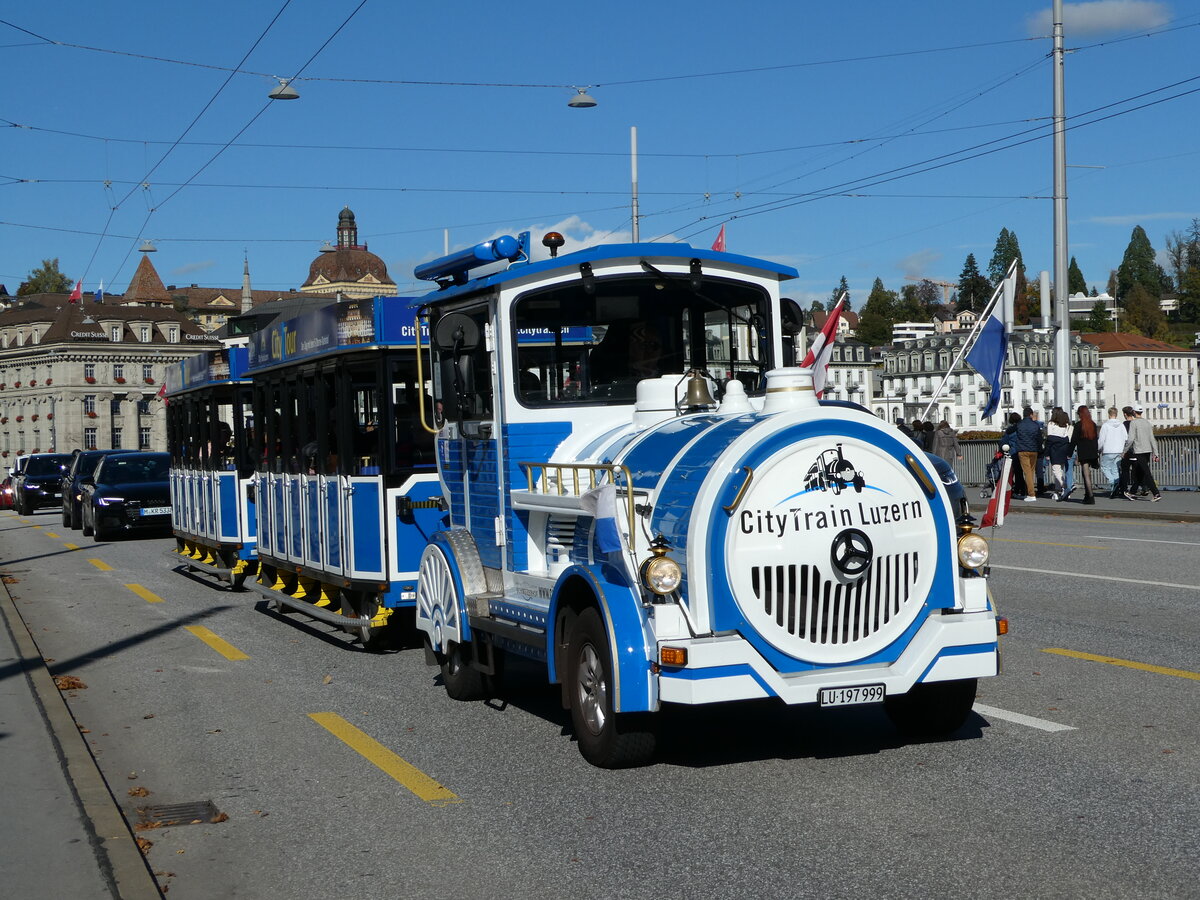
76	516
462	680
87	529
66	517
101	534
932	710
607	739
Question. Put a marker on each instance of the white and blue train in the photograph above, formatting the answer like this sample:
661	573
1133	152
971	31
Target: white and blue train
609	462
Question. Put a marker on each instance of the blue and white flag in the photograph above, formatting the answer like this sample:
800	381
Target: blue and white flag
987	358
100	292
601	502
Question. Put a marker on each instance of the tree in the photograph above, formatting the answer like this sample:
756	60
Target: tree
973	289
1139	267
46	279
1007	249
1143	314
817	306
1076	284
877	316
835	295
911	307
1098	318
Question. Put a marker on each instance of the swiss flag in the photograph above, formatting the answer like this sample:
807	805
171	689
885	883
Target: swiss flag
997	507
77	294
719	243
821	351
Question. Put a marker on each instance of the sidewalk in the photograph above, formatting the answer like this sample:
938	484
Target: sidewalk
1175	506
62	834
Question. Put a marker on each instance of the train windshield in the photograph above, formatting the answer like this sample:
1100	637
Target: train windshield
575	345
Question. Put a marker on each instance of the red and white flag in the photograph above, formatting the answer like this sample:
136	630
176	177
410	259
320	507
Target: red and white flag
821	350
77	294
997	507
162	392
719	243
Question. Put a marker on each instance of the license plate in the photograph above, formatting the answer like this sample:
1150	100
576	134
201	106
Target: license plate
58	496
156	511
849	696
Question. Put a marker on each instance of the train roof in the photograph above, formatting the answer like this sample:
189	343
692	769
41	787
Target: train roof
215	367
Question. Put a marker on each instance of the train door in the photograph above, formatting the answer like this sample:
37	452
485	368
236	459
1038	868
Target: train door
363	492
330	540
245	454
311	471
413	509
291	430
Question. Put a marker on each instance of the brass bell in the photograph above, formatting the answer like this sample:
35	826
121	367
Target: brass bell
698	395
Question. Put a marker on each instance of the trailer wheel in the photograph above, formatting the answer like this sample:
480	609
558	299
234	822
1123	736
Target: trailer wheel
607	739
932	710
461	680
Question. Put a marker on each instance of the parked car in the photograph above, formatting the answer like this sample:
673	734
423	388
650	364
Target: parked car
128	493
40	483
6	493
82	466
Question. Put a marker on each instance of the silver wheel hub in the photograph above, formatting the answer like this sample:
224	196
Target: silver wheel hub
592	689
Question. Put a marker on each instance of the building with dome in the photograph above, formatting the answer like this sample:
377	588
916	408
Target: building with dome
348	268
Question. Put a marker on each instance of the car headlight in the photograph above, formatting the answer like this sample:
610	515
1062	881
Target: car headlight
973	551
661	574
109	501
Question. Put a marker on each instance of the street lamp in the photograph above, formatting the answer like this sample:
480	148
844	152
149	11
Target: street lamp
285	91
582	99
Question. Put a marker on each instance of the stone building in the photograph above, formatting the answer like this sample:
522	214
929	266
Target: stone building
87	374
851	373
1159	376
348	268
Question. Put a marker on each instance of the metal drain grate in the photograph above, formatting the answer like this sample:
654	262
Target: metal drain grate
198	812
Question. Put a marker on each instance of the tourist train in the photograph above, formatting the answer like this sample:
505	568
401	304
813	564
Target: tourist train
608	462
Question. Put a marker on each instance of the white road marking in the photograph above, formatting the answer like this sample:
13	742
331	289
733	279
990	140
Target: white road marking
1021	718
1170	584
1105	537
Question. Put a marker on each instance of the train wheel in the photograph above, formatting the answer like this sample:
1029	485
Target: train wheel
461	680
607	739
932	710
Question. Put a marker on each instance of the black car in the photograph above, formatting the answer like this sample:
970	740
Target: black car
83	466
129	492
40	484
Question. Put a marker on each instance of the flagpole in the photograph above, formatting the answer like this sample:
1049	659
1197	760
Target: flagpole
972	336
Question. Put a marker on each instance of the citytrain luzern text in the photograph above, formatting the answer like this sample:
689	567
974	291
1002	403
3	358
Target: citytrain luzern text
607	462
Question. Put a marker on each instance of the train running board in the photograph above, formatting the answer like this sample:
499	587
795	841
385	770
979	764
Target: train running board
309	608
183	559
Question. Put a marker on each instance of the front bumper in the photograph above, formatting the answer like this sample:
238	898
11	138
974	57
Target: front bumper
948	646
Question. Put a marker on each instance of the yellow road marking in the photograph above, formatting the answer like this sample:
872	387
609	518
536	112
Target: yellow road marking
1127	663
222	646
71	546
375	753
144	594
101	565
51	534
1047	544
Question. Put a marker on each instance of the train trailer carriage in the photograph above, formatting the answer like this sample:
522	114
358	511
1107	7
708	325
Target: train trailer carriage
346	484
209	424
651	501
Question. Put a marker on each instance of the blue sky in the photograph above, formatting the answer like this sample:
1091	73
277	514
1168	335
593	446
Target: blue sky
747	114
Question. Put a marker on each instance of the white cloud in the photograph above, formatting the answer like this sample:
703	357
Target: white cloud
919	264
1138	218
188	268
1101	17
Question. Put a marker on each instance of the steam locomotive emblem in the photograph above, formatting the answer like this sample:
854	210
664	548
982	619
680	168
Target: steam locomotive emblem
832	471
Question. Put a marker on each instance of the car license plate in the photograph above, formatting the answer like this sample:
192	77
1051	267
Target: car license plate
156	511
848	696
58	496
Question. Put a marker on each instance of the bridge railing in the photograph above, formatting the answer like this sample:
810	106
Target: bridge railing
1178	463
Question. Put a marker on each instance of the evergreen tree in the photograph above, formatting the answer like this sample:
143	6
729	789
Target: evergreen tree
1076	284
1143	314
835	295
1098	318
973	289
1007	249
877	316
46	279
910	307
1139	267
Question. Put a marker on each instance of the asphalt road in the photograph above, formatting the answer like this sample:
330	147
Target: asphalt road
1079	775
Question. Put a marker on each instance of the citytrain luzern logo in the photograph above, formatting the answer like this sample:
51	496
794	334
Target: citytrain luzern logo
831	473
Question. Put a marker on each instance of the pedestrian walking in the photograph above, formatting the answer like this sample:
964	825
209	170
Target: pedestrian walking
1058	449
944	443
1008	439
1085	441
1141	445
1111	445
1027	442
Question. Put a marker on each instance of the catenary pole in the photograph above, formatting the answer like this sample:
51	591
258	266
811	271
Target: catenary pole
633	165
1062	337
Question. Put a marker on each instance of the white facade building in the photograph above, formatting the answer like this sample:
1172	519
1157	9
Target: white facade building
1142	371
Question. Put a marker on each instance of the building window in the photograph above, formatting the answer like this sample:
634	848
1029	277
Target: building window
114	406
89	404
147	371
118	371
89	439
115	333
116	439
143	407
144	438
145	331
89	371
173	334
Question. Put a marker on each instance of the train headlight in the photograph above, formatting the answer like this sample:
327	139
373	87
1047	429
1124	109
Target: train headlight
973	551
661	574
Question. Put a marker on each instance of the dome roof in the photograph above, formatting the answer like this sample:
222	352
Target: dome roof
347	264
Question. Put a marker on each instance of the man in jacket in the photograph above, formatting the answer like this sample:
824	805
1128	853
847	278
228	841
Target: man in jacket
1027	444
1140	445
1111	443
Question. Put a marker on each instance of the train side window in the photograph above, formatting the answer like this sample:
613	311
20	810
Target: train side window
365	422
